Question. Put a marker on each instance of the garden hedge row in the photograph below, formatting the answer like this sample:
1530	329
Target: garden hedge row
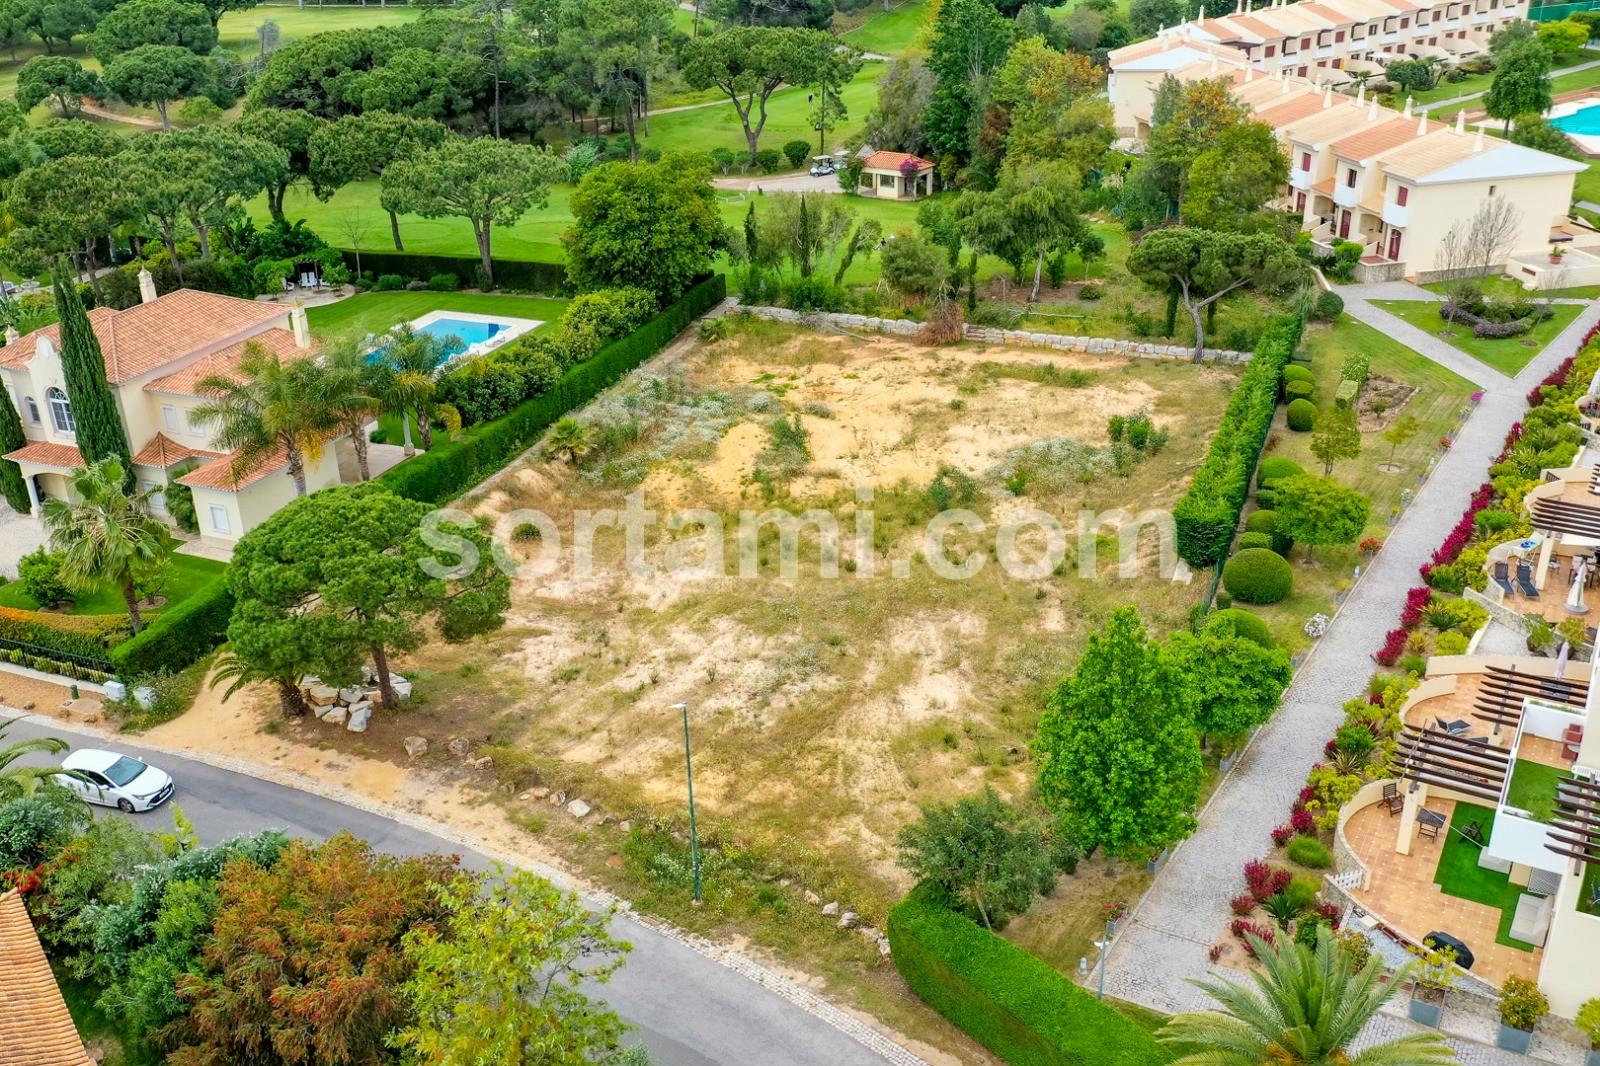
178	636
87	636
1209	512
449	469
508	273
1010	1002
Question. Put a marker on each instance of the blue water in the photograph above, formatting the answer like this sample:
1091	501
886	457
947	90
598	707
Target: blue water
457	333
1584	120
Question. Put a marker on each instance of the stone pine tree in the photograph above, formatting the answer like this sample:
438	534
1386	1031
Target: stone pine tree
1121	758
100	431
12	486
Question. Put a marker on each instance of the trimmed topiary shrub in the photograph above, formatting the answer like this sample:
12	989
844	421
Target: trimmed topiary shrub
1302	415
178	636
1255	540
1258	575
1309	852
1296	372
1299	390
1245	625
1274	467
1266	521
1329	306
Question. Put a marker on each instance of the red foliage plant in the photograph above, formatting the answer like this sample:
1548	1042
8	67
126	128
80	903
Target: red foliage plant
1281	834
1302	822
1242	904
1394	642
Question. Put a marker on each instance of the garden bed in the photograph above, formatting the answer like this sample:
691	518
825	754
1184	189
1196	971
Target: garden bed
1505	354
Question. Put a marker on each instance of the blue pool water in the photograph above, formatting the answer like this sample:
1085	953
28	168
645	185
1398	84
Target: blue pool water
1584	120
458	334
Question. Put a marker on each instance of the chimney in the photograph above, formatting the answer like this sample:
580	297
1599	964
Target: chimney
301	327
12	336
1461	121
1327	98
1477	142
1407	112
1422	123
1361	94
147	286
1372	111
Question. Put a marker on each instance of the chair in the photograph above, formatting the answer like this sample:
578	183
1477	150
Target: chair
1454	728
1393	800
1502	577
1525	581
1429	826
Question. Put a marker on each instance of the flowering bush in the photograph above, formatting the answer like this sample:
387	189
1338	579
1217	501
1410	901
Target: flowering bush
1265	881
1330	913
1371	546
1417	600
1281	834
1242	904
1445	442
1302	822
1114	911
1394	642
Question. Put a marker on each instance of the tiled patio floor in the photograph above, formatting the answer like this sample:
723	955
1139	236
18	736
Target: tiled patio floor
1405	898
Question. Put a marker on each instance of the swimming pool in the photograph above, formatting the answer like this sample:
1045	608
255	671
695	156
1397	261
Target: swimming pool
467	335
1584	121
459	333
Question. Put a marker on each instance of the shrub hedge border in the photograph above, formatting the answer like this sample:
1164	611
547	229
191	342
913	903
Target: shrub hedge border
178	636
508	273
1208	514
1012	1003
76	636
448	470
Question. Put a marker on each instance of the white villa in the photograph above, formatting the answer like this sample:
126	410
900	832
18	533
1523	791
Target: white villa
154	353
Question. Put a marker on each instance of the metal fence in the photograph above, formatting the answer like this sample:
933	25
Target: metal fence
78	667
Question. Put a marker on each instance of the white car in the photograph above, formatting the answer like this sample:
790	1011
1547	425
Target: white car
113	780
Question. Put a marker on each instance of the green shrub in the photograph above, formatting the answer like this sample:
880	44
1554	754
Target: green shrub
1329	306
39	574
1309	852
814	293
1302	415
1521	1003
768	160
444	282
87	636
181	634
797	152
1299	390
1023	1010
1246	625
1255	540
508	273
390	283
453	467
1089	292
1265	520
1346	393
1208	514
1274	467
1258	575
1296	372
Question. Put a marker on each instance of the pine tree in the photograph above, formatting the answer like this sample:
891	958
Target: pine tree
12	486
94	408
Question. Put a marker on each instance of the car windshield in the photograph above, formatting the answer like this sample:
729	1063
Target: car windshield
124	770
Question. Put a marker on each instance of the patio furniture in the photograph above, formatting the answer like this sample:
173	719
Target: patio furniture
1531	922
1502	577
1429	823
1525	581
1571	740
1393	800
1455	728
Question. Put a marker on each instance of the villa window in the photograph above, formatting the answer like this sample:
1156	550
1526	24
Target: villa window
1271	51
219	519
1350	178
1305	160
1338	38
1305	42
1400	195
33	410
194	425
61	411
169	417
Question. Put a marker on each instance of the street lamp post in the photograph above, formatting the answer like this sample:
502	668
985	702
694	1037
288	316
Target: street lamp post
688	769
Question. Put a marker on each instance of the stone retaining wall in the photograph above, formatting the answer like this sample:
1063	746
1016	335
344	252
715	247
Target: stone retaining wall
904	327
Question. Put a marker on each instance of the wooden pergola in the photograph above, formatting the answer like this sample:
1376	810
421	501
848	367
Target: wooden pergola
1575	824
1564	516
1433	757
1500	698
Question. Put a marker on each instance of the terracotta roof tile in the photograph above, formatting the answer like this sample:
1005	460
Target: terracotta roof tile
1292	110
146	337
1379	137
893	161
164	453
1424	155
35	1027
47	453
218	474
226	362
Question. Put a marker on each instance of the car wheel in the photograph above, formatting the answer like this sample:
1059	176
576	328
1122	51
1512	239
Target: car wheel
124	806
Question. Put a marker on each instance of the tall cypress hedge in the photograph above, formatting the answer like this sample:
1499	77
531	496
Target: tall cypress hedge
1208	514
12	487
94	407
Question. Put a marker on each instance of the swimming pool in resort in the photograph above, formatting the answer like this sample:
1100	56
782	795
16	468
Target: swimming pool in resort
466	335
1585	120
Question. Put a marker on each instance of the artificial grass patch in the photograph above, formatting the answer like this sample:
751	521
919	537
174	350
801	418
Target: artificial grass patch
1460	875
1533	788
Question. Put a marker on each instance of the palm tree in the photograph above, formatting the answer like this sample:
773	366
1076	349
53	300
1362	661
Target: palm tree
241	673
569	441
107	535
405	381
19	782
1306	1009
278	405
349	383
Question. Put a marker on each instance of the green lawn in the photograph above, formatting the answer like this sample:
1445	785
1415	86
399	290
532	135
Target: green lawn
375	312
1460	875
185	575
1533	788
1437	408
788	113
1511	288
97	1029
1506	354
888	33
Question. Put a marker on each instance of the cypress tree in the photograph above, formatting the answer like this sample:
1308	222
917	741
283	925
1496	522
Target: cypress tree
94	407
12	487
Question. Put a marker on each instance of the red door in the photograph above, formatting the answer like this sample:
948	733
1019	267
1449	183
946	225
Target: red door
1300	203
1394	244
1344	225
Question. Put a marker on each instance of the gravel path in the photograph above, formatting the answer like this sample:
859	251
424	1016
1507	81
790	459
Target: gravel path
1164	944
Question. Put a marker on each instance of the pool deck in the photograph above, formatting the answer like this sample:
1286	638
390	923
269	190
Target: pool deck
512	329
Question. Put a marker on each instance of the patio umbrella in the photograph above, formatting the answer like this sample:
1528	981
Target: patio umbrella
1561	660
1575	602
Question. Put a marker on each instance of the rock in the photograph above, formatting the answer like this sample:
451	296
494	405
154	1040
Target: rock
538	792
84	708
352	695
812	898
458	746
145	697
578	809
482	763
321	695
416	746
830	909
848	920
558	799
360	715
27	706
337	715
785	882
614	861
402	687
883	947
310	681
626	825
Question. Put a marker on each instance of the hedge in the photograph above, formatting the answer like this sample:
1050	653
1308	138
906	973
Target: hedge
85	636
1010	1002
508	273
1301	415
447	470
1258	575
178	636
1209	512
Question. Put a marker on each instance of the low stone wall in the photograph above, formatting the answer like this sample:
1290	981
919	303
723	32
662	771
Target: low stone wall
904	327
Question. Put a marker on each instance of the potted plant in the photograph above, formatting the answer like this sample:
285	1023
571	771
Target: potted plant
1114	913
1556	253
1521	1007
1540	636
1588	1022
1430	982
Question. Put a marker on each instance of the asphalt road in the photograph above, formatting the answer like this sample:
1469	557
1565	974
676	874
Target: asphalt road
689	1010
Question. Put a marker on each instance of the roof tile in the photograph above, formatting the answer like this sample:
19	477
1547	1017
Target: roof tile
35	1026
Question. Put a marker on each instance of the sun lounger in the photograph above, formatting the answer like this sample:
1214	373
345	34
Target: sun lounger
1502	577
1525	581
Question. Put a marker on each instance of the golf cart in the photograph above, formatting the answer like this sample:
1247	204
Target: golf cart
822	165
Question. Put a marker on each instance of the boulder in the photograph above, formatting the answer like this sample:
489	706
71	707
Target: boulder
578	809
416	746
360	715
830	909
310	681
481	763
626	825
812	898
848	920
352	695
458	746
321	695
538	792
402	687
338	715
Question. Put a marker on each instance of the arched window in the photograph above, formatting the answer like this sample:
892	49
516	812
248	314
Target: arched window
33	410
61	411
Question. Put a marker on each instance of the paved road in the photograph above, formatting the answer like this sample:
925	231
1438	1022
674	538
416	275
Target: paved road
689	1009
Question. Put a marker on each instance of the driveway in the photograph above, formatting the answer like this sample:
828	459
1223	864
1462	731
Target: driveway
20	534
778	183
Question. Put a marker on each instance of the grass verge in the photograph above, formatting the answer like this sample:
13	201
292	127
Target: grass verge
1505	354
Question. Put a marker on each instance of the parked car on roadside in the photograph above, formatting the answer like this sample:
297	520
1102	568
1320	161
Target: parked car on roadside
111	780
